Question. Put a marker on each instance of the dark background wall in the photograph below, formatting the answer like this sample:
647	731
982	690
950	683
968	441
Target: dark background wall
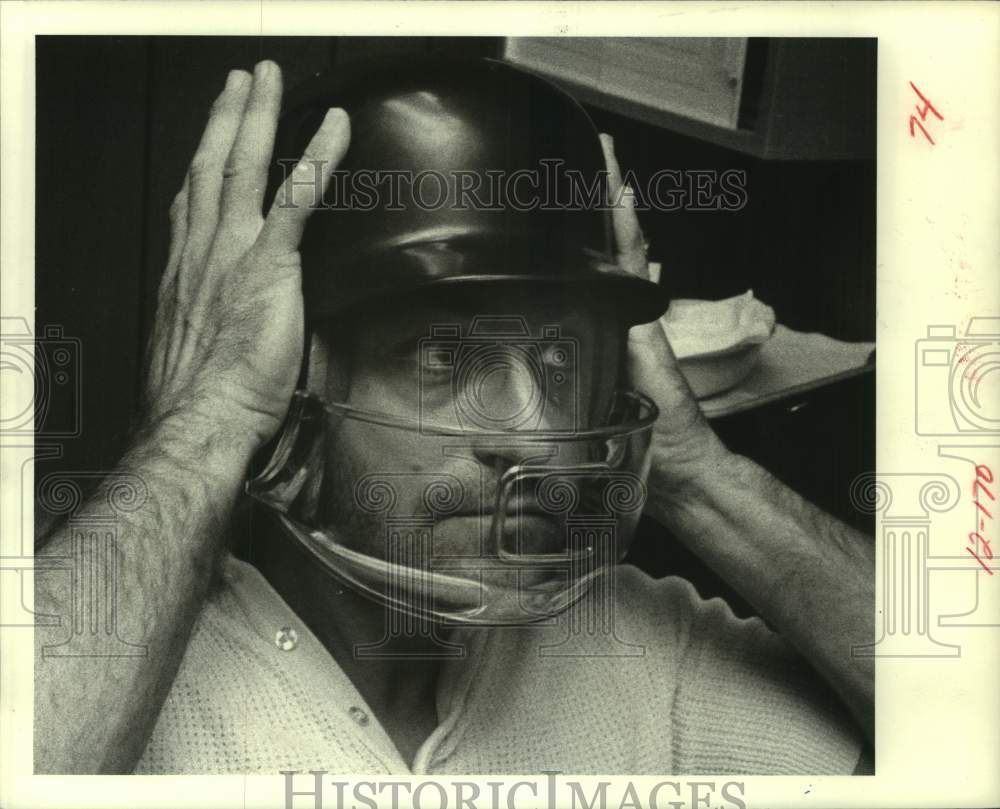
118	119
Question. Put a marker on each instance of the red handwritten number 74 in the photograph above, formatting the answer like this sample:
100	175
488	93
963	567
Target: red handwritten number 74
922	111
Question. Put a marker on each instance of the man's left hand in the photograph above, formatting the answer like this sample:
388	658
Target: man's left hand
684	445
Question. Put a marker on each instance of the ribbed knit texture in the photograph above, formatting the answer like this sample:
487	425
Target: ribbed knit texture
682	687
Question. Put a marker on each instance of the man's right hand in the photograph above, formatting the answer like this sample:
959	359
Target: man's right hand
223	361
227	343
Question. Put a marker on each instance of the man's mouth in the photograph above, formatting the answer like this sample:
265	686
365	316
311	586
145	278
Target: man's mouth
529	533
516	507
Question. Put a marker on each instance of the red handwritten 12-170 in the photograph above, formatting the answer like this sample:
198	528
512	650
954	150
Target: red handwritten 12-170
977	539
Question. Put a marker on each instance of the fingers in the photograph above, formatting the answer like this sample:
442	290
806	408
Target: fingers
630	245
245	172
303	190
205	174
178	237
614	170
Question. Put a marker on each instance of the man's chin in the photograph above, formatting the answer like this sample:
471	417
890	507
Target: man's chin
492	599
482	591
466	579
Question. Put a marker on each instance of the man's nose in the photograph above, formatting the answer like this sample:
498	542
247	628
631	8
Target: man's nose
500	454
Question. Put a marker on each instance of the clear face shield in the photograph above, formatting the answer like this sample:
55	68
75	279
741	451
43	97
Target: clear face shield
497	494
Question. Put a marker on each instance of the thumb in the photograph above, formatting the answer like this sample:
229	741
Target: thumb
630	245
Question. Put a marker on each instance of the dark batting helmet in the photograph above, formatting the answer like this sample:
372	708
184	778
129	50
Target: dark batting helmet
458	172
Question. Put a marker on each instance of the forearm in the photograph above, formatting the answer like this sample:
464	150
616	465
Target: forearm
94	714
224	356
809	575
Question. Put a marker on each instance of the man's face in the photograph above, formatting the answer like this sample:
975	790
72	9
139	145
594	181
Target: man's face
506	367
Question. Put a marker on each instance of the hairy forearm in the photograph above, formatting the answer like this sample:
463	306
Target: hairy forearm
809	575
94	714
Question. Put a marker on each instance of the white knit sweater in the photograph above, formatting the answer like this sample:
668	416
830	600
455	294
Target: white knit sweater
683	686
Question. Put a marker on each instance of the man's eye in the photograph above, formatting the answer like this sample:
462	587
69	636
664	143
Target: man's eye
434	372
436	362
403	351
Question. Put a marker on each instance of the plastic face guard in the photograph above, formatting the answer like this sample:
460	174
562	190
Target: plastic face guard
458	541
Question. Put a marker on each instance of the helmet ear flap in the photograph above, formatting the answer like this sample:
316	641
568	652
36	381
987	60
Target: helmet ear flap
325	375
326	366
288	472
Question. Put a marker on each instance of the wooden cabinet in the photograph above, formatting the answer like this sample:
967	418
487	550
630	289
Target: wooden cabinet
774	98
695	78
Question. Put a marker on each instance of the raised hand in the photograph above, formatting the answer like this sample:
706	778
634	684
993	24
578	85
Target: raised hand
227	343
684	445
